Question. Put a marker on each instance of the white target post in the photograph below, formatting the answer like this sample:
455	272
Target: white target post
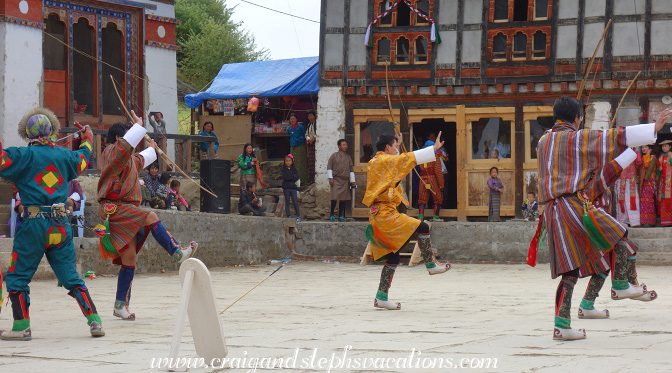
198	301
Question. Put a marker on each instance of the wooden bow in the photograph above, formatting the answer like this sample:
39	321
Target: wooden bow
158	150
589	68
623	99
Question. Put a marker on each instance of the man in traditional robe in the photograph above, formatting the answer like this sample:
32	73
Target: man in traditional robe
431	182
568	159
388	230
341	174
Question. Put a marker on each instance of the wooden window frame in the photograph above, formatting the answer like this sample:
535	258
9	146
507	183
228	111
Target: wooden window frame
427	54
410	52
393	14
533	51
532	113
419	21
513	47
534	11
531	12
492	48
391	56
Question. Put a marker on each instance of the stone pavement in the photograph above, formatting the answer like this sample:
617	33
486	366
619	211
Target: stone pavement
502	312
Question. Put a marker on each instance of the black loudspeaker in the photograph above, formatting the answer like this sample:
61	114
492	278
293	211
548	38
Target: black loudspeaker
216	175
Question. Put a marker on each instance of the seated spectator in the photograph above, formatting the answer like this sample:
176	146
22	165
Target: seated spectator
75	196
178	200
249	203
152	183
162	191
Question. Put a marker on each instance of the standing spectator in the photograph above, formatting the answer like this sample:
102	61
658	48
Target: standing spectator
496	188
289	178
152	183
208	130
297	146
311	136
664	172
340	171
158	123
247	162
647	187
530	208
249	203
627	209
503	147
431	177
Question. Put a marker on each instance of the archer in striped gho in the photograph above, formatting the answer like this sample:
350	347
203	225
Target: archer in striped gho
578	233
126	225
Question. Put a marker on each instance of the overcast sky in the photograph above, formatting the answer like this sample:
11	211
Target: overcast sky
275	31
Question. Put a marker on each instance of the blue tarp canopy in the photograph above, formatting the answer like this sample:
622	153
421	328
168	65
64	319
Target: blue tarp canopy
292	77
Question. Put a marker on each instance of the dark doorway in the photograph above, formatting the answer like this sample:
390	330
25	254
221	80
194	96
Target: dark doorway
449	136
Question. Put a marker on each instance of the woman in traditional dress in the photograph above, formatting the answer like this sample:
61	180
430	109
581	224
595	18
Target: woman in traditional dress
647	187
297	146
664	172
311	136
496	188
627	209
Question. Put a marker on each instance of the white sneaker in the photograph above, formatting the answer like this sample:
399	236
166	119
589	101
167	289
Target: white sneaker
593	314
568	334
439	268
124	314
189	251
378	303
630	292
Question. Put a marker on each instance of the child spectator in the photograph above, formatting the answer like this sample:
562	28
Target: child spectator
496	189
249	203
75	196
495	154
179	201
290	175
162	191
152	184
530	208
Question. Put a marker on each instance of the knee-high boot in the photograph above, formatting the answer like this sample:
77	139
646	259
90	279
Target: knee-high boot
21	327
587	307
166	240
563	305
386	276
434	267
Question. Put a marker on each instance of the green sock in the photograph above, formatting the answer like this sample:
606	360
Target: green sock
20	325
381	296
436	217
562	323
619	284
586	304
430	264
94	317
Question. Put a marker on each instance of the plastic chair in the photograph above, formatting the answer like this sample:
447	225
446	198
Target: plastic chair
77	214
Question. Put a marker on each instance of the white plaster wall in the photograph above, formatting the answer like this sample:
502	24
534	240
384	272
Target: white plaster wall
568	9
629	7
20	77
448	12
629	39
359	14
446	51
331	127
566	42
357	52
163	10
595	8
598	115
661	6
592	33
333	49
471	46
660	31
335	10
161	68
473	11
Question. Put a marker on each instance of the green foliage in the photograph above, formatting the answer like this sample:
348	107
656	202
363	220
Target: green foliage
209	39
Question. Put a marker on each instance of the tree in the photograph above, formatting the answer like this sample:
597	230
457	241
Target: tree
209	39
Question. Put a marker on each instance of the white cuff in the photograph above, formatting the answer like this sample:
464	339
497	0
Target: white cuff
352	177
330	174
642	134
627	157
425	155
75	197
149	155
135	135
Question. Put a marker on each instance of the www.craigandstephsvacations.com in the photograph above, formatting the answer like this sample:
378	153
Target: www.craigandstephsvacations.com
332	361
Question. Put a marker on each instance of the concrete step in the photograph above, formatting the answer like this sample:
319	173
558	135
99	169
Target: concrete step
654	258
650	233
5	208
653	245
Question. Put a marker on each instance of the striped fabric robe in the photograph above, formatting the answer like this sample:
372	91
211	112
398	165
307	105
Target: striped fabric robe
568	160
118	185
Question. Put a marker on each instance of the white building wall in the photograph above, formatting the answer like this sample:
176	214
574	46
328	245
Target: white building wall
330	128
20	77
161	70
598	115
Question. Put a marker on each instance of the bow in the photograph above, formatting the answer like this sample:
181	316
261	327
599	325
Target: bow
623	99
397	127
158	150
589	68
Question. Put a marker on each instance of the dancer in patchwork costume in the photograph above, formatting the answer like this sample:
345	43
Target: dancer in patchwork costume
563	174
119	196
388	230
41	173
431	177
